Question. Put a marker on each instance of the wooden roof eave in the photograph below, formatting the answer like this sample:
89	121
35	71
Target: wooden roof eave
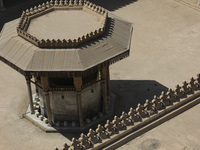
80	72
67	73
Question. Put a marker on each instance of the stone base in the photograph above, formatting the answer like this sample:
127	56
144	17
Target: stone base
40	121
64	103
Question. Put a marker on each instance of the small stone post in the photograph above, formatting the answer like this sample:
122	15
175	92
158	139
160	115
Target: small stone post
78	86
28	82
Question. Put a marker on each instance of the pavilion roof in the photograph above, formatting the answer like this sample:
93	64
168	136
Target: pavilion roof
25	57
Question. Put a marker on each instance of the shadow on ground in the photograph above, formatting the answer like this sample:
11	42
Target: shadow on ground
131	92
128	94
112	5
14	8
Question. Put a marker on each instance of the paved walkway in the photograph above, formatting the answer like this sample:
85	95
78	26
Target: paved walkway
179	133
164	52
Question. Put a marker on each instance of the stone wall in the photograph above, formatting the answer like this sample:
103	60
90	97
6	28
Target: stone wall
64	105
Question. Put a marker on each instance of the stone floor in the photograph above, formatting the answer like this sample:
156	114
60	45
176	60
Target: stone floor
180	133
190	2
164	52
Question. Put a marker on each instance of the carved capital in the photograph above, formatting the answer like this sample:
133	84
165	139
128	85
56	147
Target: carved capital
104	72
78	83
28	77
45	83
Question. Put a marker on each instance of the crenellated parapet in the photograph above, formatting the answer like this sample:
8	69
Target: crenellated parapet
50	6
137	118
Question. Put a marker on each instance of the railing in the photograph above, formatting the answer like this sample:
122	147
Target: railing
137	118
61	5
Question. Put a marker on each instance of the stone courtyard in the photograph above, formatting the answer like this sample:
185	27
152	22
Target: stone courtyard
164	52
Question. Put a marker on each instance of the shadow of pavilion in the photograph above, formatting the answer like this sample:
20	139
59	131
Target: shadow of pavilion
112	5
128	94
131	92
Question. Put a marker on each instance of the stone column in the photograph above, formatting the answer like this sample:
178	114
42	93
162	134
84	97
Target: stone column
36	88
104	88
45	85
28	82
1	5
78	86
108	85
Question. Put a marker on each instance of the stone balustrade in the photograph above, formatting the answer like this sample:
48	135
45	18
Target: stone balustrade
136	118
61	5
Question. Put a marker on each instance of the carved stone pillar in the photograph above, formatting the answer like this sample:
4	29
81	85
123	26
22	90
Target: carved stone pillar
28	82
104	88
78	86
108	85
36	88
1	5
45	85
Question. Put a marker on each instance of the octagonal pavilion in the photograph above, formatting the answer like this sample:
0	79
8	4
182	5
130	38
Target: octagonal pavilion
67	47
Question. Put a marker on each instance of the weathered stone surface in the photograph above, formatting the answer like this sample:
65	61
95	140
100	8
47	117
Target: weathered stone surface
93	137
149	107
84	141
133	115
101	132
109	127
141	111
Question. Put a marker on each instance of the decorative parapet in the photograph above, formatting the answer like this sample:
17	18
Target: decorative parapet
121	126
61	5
